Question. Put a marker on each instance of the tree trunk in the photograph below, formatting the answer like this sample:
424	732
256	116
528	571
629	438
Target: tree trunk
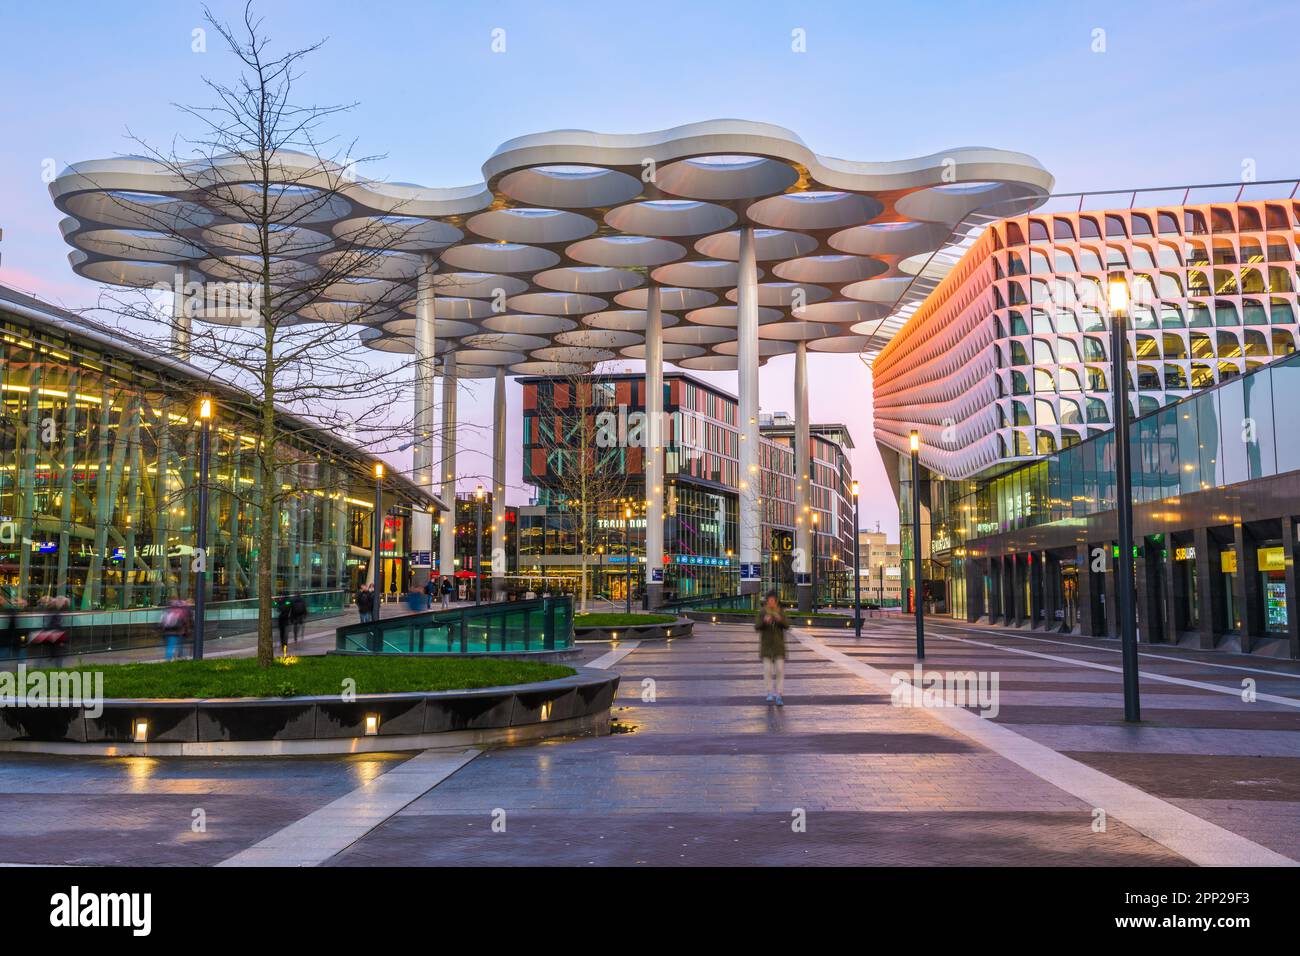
269	489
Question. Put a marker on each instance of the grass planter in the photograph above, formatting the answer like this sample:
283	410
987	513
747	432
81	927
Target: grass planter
630	627
440	703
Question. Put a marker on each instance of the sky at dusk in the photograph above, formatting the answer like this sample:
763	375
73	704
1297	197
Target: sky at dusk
1188	92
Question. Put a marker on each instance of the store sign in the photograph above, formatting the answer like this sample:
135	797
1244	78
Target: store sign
1272	559
1185	554
1228	561
701	559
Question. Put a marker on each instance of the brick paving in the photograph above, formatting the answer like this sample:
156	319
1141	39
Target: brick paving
713	775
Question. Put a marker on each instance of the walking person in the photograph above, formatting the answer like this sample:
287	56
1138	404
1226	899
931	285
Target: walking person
771	625
363	604
446	592
428	593
298	616
55	634
15	639
172	625
286	616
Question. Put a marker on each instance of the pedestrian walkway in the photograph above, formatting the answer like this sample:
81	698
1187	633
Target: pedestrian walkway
714	775
711	774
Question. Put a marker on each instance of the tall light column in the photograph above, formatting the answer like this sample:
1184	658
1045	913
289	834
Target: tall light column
747	378
447	534
654	452
1126	605
422	416
804	556
499	563
181	319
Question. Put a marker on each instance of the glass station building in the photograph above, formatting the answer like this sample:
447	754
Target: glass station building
99	480
701	468
1005	372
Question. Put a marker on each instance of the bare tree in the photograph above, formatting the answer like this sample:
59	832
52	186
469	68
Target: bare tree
591	443
283	302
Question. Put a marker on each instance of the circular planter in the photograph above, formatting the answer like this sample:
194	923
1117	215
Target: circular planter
682	627
260	726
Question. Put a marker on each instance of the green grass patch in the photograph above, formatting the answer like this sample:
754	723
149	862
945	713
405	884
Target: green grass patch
621	620
308	676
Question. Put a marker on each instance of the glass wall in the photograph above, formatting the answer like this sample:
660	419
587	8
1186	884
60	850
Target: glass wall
99	487
1220	436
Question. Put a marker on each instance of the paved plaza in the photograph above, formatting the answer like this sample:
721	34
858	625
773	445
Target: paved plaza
705	772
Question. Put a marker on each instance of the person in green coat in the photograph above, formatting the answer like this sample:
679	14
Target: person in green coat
771	625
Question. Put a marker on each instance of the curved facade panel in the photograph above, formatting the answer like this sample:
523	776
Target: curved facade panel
1009	358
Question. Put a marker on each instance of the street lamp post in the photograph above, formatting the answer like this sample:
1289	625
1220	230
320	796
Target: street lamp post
478	546
600	574
201	542
1117	301
627	554
375	578
915	442
857	572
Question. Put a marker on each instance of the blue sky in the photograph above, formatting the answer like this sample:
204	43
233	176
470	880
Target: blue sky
1184	92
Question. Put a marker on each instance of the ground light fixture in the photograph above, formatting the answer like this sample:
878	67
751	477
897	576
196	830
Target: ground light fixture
140	728
914	443
1117	301
200	565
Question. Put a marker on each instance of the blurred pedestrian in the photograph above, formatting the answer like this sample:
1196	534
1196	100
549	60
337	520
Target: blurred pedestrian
298	616
55	633
445	589
173	624
15	637
286	616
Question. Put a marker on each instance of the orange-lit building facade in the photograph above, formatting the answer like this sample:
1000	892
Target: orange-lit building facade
1007	365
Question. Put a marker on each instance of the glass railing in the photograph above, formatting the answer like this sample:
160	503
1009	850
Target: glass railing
730	602
511	627
92	632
